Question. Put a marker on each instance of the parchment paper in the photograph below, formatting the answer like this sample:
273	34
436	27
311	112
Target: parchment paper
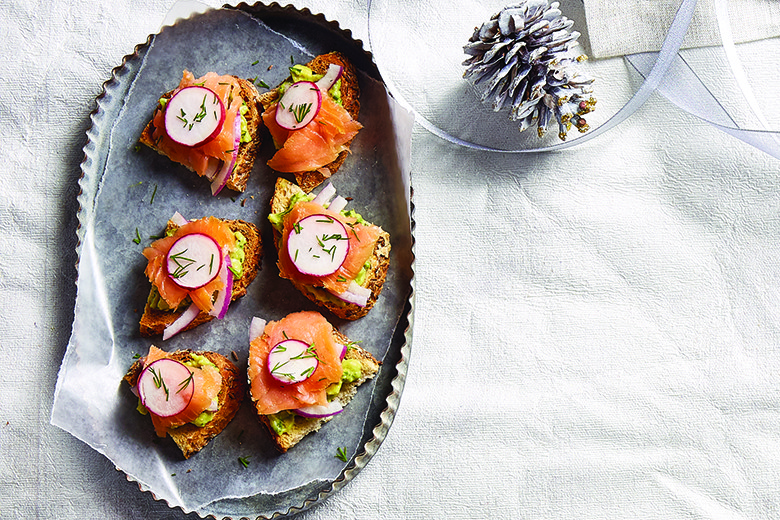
139	190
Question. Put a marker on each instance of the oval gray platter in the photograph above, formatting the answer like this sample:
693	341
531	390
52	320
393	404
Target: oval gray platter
373	176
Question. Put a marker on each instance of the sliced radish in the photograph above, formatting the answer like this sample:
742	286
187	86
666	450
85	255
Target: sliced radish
325	194
194	116
292	361
318	245
222	176
330	78
343	352
299	105
321	410
224	295
338	204
256	328
194	260
181	323
166	387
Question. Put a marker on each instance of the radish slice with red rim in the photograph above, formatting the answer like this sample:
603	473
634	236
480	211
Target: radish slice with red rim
181	323
343	352
321	410
222	176
330	78
318	245
194	260
194	116
224	295
292	361
166	387
299	105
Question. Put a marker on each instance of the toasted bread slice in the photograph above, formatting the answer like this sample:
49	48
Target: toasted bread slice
302	426
245	159
191	438
154	321
350	100
375	277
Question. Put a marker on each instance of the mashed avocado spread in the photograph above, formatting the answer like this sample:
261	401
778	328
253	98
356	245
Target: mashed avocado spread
282	422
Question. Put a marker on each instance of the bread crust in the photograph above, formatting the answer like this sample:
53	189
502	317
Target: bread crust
376	275
154	321
245	159
350	99
190	438
306	425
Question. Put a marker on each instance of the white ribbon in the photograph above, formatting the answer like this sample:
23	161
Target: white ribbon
683	87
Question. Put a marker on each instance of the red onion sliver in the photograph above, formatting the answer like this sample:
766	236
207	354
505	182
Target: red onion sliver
256	328
178	219
224	295
324	196
355	294
227	166
338	204
181	322
318	411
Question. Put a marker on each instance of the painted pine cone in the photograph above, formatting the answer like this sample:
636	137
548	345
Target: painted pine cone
523	59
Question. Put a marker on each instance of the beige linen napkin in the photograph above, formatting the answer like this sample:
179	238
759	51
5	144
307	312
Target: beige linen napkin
616	29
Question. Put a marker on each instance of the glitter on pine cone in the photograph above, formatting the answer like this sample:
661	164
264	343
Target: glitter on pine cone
523	55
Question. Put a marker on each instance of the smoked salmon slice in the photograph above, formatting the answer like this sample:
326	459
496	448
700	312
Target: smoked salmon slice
269	394
316	144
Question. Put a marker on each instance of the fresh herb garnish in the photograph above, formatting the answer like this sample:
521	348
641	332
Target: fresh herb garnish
184	384
244	461
300	111
341	454
137	238
154	192
255	62
261	83
158	381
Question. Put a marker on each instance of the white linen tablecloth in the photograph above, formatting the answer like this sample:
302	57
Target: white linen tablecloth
596	330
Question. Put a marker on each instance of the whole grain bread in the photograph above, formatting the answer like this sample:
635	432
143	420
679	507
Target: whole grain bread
350	100
375	278
247	152
305	425
154	321
190	438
